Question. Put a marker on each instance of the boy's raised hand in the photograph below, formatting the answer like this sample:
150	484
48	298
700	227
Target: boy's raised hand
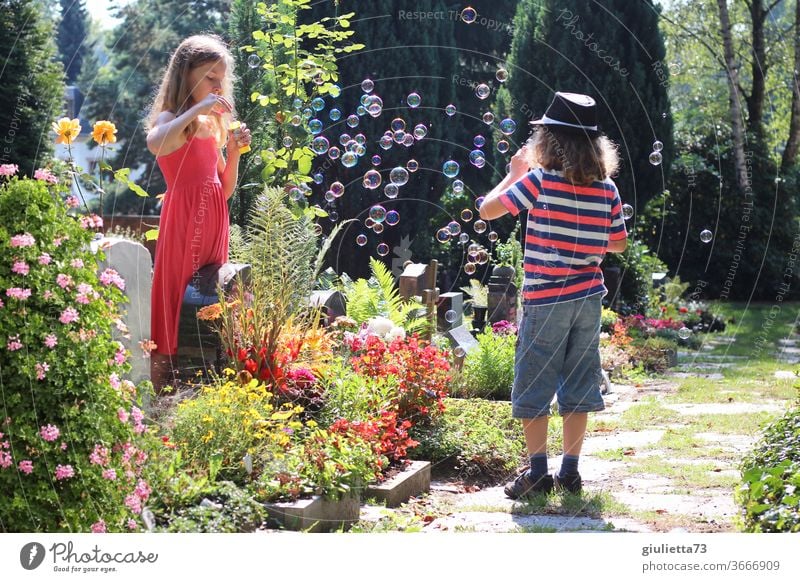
519	162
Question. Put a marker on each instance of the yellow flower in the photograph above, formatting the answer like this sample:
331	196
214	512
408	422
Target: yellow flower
103	132
67	130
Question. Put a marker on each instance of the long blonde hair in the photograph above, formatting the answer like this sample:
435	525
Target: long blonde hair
581	159
174	92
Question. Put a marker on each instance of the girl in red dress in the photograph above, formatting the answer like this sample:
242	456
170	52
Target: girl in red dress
186	131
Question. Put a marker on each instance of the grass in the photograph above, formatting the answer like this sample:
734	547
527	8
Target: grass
695	475
757	328
646	415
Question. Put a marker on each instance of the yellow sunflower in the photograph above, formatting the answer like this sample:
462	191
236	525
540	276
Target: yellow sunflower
103	132
67	130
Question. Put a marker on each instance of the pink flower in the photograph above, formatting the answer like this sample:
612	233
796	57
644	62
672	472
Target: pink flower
122	414
63	446
20	268
91	221
46	175
48	295
18	293
143	490
132	524
49	432
63	280
45	259
110	276
14	344
1	303
26	467
22	240
5	459
99	527
69	315
76	263
72	201
147	346
113	379
99	456
137	414
110	474
8	169
134	503
58	241
120	357
50	341
64	472
41	370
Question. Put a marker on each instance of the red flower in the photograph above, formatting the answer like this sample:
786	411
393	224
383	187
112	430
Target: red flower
684	310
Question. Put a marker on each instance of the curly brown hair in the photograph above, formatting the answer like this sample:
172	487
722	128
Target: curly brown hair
583	160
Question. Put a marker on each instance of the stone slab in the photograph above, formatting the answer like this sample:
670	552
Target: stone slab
499	522
621	440
414	480
316	514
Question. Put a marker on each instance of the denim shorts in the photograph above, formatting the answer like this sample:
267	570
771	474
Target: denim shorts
558	354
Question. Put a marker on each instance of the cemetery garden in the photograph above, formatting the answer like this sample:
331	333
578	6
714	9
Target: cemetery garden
330	379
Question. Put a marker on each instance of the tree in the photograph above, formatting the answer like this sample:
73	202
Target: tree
72	32
793	140
558	45
32	80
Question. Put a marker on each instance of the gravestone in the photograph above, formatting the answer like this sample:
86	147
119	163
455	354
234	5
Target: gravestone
502	299
132	261
412	281
331	302
453	301
462	342
198	344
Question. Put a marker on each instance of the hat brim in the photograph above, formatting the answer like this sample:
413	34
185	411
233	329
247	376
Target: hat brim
571	129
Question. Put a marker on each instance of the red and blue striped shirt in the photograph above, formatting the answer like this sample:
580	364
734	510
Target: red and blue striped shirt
567	234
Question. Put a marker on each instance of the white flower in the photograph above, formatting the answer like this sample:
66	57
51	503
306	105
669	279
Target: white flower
395	333
379	326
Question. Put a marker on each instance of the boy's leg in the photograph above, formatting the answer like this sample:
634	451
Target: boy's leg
535	430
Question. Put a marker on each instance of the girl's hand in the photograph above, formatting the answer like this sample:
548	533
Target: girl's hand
214	103
239	138
519	163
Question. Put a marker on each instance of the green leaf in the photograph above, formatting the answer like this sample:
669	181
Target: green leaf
151	234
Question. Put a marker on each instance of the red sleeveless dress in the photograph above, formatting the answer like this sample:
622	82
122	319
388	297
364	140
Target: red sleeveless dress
193	232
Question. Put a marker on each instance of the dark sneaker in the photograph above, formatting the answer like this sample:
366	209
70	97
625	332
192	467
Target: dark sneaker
525	485
571	483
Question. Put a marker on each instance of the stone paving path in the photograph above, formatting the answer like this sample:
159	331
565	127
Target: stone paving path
632	480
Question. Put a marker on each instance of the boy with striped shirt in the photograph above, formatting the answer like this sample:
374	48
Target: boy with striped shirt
573	219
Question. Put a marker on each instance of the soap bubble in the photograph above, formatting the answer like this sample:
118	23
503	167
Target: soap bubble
469	14
367	85
502	146
334	91
364	99
253	61
398	175
413	100
376	160
361	110
479	202
320	145
477	158
488	118
706	236
297	103
684	333
627	211
377	213
361	240
460	352
296	120
337	188
308	113
295	194
508	126
450	168
287	141
492	236
383	249
333	153
360	139
317	230
479	226
392	217
657	146
443	235
408	140
470	269
372	179
483	257
398	136
349	159
412	166
450	316
333	216
377	227
315	126
466	215
420	131
335	114
463	238
386	142
483	91
352	120
501	75
458	186
318	178
391	190
374	106
479	141
398	123
450	110
318	104
453	227
655	158
368	222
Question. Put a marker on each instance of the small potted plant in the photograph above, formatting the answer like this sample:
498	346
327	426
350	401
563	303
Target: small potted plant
479	300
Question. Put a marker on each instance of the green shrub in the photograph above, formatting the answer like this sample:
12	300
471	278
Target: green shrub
488	369
214	508
769	495
654	354
68	423
353	396
608	318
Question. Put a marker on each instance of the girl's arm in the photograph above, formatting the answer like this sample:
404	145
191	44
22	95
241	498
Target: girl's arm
492	208
169	129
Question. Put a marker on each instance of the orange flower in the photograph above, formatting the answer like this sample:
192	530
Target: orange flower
103	132
210	312
66	130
